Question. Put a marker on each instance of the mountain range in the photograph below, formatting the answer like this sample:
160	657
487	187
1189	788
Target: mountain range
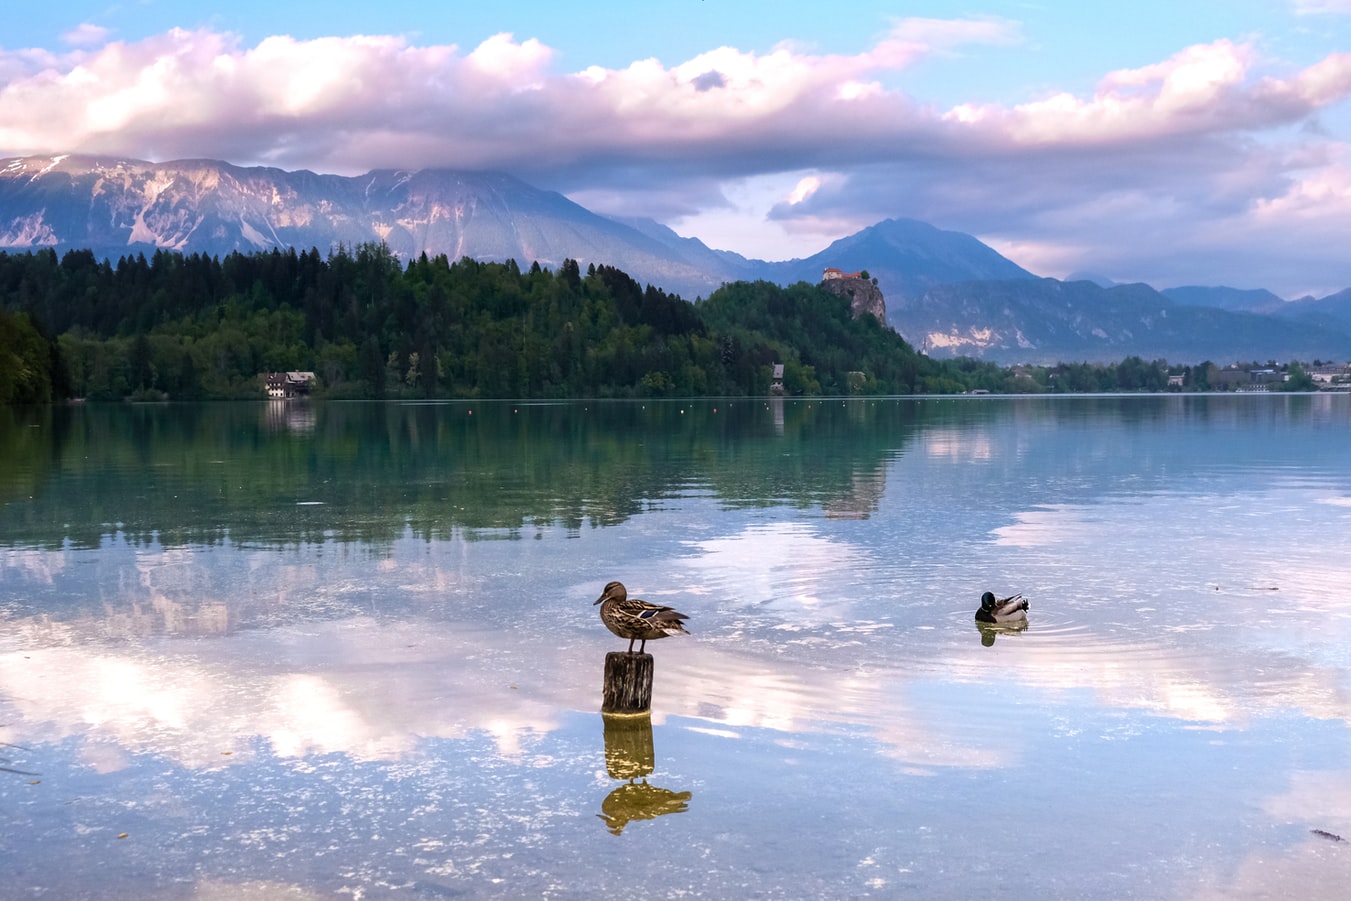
946	292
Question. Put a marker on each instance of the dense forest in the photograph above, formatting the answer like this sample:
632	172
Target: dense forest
183	327
200	327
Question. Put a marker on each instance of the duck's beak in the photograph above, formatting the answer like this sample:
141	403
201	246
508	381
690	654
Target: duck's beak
599	599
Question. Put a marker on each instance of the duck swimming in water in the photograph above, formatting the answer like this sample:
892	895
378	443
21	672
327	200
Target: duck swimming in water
637	620
1001	610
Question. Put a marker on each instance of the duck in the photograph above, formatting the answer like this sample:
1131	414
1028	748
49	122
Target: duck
1001	610
635	619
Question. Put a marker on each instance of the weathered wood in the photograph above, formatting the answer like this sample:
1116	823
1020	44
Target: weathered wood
629	753
628	683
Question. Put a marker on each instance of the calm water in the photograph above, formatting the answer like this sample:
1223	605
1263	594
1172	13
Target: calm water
348	650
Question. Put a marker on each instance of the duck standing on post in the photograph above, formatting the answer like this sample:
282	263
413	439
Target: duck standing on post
1001	610
637	620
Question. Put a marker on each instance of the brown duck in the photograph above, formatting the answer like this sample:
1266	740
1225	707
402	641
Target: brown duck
637	620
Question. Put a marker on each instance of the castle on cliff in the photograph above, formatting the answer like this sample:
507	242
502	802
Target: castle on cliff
864	295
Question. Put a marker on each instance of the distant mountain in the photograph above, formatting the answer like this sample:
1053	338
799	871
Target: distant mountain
1045	321
906	257
1234	299
1101	281
1331	311
118	206
727	265
945	292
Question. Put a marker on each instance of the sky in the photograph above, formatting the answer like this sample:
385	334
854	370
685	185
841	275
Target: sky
1175	143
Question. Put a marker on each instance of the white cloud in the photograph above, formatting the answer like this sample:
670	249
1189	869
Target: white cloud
805	188
735	216
944	35
501	57
190	92
85	35
1214	139
1321	7
1200	90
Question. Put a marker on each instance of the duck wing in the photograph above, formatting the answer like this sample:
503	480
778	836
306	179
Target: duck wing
663	616
655	615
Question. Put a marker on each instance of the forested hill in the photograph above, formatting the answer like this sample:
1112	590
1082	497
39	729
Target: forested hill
181	327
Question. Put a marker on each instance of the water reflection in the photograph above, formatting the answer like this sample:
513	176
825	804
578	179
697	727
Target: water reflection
304	472
4	761
350	657
990	631
289	414
368	689
392	678
630	756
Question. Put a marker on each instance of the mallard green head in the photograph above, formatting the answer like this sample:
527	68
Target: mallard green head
987	601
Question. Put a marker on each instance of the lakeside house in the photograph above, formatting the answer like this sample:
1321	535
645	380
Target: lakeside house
1325	376
289	384
1331	375
1239	379
833	273
776	380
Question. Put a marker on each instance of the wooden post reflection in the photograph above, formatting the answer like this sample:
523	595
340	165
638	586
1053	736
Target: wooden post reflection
629	755
628	746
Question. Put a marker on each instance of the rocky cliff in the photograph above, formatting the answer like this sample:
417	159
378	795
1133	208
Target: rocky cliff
864	296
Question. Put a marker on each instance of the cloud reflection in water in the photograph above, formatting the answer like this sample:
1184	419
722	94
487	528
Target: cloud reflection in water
374	688
428	706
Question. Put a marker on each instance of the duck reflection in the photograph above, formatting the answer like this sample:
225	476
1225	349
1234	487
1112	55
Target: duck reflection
629	755
989	631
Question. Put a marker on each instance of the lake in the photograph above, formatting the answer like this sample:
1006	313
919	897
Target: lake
292	650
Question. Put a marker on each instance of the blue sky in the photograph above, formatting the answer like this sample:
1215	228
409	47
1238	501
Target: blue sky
1184	142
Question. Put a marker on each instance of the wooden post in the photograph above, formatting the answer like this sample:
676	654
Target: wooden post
628	683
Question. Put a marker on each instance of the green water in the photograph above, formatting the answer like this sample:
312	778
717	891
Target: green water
349	649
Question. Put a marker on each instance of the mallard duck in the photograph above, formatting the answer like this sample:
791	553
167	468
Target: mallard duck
1001	610
637	620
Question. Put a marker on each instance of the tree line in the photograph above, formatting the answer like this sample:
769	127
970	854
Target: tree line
193	326
201	327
